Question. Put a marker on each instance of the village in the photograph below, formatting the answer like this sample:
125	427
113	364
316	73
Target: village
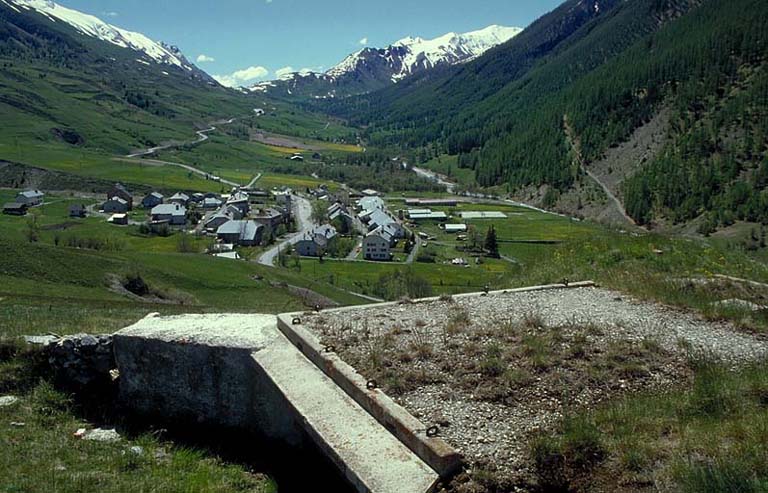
336	223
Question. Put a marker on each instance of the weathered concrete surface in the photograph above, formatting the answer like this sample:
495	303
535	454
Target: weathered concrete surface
410	431
240	371
433	450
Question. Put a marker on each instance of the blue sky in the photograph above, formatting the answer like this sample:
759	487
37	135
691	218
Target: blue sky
267	35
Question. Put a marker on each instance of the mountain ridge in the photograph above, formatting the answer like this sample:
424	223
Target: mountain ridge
94	27
369	68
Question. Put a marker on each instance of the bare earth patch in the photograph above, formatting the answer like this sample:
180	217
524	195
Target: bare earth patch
491	371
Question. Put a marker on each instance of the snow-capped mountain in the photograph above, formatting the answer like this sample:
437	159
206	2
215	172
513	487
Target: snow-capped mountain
92	26
373	68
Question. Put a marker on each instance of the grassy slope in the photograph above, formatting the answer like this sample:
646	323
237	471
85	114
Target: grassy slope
708	438
55	288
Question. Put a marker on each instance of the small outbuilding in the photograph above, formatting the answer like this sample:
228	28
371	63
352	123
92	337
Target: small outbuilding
119	219
15	209
77	210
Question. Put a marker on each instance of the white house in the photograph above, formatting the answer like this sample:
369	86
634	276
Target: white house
173	214
30	198
377	245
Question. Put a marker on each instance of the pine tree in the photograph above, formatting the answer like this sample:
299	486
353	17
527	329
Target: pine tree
491	243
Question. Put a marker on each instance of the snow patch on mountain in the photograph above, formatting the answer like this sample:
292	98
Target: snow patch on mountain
411	54
93	26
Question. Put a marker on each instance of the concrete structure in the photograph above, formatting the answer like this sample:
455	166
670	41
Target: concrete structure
15	209
377	246
370	192
152	199
243	233
115	205
30	198
316	242
119	190
241	372
173	214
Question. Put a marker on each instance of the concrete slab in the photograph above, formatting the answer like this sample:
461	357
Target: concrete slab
371	458
240	371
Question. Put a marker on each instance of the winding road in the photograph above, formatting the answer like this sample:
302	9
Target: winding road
202	136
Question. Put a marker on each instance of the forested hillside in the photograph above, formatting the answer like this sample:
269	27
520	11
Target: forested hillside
606	72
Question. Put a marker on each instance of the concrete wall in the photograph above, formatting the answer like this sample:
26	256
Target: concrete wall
196	383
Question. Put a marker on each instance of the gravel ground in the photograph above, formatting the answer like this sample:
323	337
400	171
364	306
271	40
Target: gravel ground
491	428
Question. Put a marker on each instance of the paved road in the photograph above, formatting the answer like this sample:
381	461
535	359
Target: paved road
302	211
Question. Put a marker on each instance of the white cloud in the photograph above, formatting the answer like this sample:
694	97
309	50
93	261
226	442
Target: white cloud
268	1
363	41
242	77
110	14
205	59
284	72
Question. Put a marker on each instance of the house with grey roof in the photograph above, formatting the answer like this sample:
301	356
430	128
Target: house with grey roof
30	198
15	209
316	242
243	232
173	214
241	201
180	198
377	245
152	199
115	205
119	190
270	217
211	203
